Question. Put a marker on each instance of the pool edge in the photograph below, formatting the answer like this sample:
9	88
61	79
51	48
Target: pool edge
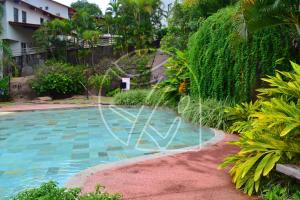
79	179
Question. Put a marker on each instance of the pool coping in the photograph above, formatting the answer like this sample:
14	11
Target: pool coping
78	180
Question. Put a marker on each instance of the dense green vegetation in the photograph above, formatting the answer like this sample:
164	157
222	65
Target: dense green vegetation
271	133
186	18
50	191
84	6
224	66
4	89
59	80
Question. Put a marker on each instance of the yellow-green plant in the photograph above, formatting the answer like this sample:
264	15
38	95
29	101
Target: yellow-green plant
271	133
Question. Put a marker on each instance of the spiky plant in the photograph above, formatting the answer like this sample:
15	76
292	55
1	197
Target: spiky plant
271	134
258	14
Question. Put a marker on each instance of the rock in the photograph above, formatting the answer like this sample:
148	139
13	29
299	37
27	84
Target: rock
20	89
44	98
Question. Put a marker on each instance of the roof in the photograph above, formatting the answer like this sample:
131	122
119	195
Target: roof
41	10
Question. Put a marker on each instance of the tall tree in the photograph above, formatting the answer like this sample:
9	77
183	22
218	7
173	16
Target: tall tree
91	8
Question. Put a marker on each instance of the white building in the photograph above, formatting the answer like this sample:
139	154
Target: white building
22	17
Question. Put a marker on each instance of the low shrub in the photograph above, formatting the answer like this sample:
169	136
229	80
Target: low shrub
99	81
280	187
131	98
50	191
59	79
205	112
4	89
114	92
145	97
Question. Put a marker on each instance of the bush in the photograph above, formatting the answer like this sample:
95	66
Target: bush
131	98
271	133
280	187
50	191
225	66
4	89
144	97
209	112
100	82
59	79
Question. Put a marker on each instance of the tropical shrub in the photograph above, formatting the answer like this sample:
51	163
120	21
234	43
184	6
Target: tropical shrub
177	73
114	92
59	79
51	191
223	65
280	187
238	116
98	81
131	98
151	98
271	134
204	112
4	89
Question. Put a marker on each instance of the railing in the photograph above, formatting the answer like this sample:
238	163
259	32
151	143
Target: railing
105	41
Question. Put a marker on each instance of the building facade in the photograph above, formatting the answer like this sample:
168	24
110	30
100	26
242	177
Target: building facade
22	17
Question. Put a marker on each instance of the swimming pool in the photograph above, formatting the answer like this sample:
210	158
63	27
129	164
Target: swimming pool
38	146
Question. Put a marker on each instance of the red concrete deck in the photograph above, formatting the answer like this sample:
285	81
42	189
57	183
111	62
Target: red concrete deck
186	176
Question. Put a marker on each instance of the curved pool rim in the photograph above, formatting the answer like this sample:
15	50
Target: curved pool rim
79	179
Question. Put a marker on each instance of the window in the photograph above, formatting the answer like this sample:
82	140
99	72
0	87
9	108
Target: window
42	20
169	7
46	8
58	14
23	47
24	17
16	14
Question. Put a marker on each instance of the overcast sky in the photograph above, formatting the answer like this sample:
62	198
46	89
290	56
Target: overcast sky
102	3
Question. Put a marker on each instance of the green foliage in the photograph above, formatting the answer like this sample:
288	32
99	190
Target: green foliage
224	66
185	19
4	89
238	116
100	81
136	21
208	112
270	135
137	97
91	8
59	79
280	188
258	14
177	72
50	191
131	98
113	92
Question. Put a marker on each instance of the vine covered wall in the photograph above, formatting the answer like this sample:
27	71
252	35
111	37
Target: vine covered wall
225	66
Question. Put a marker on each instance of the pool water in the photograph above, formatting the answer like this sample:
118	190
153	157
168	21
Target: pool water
39	146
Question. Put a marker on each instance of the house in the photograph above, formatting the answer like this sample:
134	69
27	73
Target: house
22	17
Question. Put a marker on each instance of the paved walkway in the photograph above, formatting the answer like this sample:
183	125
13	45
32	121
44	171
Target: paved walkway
188	176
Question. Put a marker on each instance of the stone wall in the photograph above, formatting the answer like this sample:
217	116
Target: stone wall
20	89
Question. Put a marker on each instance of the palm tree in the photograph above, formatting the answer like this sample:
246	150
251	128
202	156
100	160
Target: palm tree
258	14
